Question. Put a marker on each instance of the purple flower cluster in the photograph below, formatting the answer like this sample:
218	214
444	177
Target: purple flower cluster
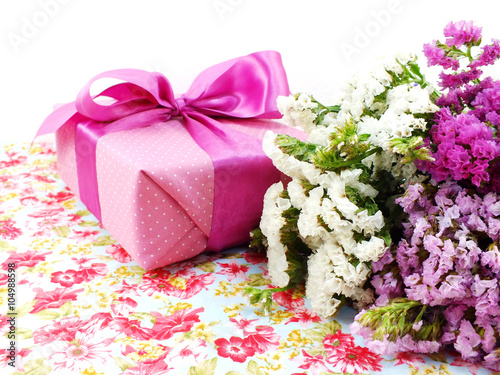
439	284
448	261
464	134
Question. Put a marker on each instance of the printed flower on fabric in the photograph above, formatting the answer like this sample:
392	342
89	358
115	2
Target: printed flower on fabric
236	348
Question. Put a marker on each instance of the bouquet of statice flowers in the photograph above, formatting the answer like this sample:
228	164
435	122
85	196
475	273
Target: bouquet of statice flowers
393	203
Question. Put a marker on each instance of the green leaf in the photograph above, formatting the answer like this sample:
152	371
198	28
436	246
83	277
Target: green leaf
5	246
62	231
48	314
89	224
24	309
256	279
104	241
122	363
83	213
253	368
207	267
34	367
438	357
144	316
204	368
23	333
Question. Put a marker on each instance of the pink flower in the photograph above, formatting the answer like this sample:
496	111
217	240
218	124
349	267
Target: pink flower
53	299
8	230
95	270
233	270
61	196
357	359
304	317
63	330
80	353
26	259
462	32
409	358
236	348
131	328
82	235
288	300
123	306
337	344
119	254
263	340
67	278
143	368
180	321
314	363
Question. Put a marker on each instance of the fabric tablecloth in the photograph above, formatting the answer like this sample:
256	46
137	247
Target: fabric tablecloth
81	306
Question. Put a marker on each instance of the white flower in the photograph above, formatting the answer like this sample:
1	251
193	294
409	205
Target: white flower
270	224
370	250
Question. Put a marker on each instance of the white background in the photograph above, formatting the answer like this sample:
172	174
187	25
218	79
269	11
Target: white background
50	48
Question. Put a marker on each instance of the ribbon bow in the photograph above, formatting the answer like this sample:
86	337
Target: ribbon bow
245	87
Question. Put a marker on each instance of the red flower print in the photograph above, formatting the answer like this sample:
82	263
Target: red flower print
264	339
3	278
236	348
95	270
13	162
314	363
287	300
61	196
304	317
119	254
47	213
254	257
67	278
337	344
176	286
132	328
180	321
233	270
8	230
26	259
409	358
53	299
357	359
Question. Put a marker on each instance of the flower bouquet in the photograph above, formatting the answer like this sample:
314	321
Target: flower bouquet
393	202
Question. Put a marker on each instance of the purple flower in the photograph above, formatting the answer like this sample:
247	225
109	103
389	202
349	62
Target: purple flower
467	340
489	55
462	32
437	56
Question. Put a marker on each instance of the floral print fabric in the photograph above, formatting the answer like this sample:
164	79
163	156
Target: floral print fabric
83	307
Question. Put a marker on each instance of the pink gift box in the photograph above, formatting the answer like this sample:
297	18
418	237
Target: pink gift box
166	181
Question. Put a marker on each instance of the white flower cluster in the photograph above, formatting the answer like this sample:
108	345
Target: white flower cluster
333	246
343	237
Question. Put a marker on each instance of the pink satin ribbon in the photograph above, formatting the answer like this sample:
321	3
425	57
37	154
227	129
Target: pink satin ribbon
245	87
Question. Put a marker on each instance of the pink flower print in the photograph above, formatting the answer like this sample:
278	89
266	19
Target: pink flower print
264	339
80	353
119	254
288	300
236	348
143	368
409	358
314	363
357	359
29	201
123	306
337	344
95	270
131	328
191	352
8	231
63	330
61	196
85	235
53	299
304	317
67	278
26	259
233	270
180	321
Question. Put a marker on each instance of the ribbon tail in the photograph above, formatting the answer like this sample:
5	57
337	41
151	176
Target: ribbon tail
57	119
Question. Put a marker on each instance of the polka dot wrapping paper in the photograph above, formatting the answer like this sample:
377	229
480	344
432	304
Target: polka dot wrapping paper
156	186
